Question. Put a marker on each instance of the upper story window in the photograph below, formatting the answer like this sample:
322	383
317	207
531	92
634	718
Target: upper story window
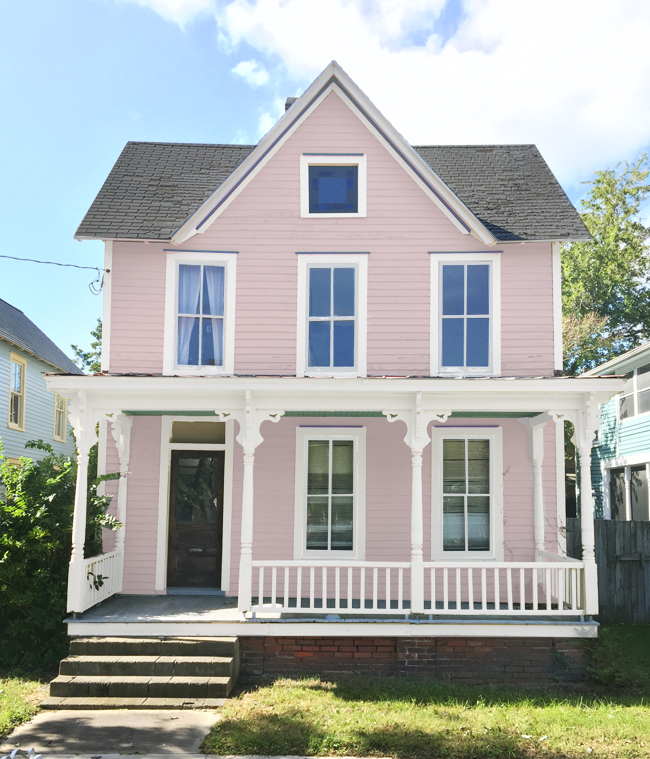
332	314
465	314
59	418
199	313
467	493
332	185
636	399
17	385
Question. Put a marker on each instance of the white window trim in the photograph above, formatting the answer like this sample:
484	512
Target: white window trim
65	420
166	449
305	261
14	358
634	392
358	435
495	310
495	436
174	259
334	159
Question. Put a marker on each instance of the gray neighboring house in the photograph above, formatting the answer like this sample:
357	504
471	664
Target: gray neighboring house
28	410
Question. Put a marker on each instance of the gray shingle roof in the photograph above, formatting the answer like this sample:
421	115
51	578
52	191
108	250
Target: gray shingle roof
155	186
17	329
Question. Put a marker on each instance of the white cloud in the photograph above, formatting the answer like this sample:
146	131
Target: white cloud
180	11
252	72
572	77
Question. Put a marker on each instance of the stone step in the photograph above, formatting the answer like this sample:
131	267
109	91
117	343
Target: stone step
98	702
171	666
154	647
124	686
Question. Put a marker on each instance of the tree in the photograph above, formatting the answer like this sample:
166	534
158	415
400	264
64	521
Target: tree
605	287
90	361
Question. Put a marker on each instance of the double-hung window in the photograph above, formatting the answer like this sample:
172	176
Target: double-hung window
17	377
465	319
330	492
637	395
59	418
199	313
467	493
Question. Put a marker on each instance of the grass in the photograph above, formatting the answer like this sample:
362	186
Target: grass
20	696
399	717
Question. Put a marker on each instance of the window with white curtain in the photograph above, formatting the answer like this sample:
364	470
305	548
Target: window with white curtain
200	315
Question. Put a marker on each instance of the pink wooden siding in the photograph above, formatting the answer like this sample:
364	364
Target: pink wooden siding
142	506
263	223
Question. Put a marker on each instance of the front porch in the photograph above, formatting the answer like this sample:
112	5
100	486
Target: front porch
524	587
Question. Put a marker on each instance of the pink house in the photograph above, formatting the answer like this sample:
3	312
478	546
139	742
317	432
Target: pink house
331	380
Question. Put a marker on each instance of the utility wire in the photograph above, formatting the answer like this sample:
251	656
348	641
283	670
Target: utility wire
95	286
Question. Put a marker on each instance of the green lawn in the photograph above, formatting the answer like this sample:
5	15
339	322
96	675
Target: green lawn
399	717
19	700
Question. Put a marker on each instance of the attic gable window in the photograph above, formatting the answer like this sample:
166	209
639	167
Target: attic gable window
332	185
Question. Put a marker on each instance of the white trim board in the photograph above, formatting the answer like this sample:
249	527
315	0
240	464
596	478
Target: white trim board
107	306
163	494
229	260
556	259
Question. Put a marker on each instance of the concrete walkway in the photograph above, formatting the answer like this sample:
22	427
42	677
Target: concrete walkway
112	733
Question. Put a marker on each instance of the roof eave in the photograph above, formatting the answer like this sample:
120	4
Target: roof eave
40	358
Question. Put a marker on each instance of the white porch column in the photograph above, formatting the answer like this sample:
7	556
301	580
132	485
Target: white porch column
81	421
628	493
249	437
417	438
535	427
121	431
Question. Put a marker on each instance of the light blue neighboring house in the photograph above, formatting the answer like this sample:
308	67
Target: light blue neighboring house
620	458
28	410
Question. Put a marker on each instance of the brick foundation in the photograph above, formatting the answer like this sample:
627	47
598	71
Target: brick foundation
464	660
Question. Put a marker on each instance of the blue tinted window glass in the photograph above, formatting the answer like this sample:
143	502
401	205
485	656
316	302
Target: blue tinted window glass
343	292
333	189
188	341
478	289
213	277
189	289
453	290
212	342
478	342
453	340
343	344
319	343
320	292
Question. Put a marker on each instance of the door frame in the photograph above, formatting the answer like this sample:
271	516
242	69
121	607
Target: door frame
166	449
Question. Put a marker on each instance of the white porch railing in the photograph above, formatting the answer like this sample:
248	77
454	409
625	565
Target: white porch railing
97	579
550	587
306	587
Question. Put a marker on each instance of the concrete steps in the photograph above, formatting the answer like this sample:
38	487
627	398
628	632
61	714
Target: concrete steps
145	673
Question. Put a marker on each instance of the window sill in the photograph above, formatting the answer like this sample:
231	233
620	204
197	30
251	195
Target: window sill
333	216
197	371
15	427
333	374
59	440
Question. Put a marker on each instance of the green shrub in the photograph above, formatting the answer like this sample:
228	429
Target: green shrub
36	507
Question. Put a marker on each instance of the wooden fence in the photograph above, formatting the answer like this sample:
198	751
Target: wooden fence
623	558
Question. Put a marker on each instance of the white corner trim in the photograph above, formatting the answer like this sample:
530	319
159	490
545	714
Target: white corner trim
303	434
334	160
495	305
558	359
360	260
107	306
495	435
101	451
171	286
166	449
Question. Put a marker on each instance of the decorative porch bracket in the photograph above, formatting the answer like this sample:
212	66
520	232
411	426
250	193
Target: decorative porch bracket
250	420
586	421
535	426
417	438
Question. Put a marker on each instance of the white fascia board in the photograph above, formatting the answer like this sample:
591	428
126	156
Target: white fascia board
334	78
107	306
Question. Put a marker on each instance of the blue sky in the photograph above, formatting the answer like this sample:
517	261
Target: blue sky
78	78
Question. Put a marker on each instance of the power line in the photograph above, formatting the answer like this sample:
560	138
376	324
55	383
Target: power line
95	286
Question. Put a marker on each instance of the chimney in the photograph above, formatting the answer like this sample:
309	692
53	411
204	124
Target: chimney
289	102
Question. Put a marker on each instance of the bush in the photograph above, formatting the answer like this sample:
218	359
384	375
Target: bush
36	507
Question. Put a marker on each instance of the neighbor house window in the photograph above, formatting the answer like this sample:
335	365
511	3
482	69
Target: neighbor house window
59	418
467	493
17	381
330	492
465	313
333	184
332	317
637	394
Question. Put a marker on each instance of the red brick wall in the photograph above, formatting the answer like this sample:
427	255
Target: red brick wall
467	660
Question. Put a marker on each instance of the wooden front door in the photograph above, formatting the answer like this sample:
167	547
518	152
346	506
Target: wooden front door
195	519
